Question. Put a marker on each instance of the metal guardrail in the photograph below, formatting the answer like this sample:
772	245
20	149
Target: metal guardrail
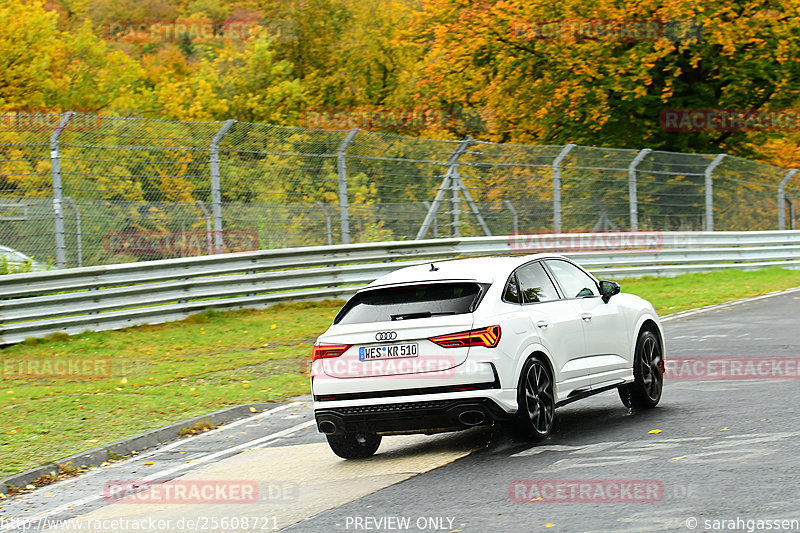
116	296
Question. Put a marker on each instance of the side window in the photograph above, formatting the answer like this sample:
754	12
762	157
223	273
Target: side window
511	292
535	285
575	282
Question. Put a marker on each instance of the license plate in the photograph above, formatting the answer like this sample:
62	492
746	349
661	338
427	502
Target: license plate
388	351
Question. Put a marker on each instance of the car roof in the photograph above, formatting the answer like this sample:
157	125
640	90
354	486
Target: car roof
11	251
487	269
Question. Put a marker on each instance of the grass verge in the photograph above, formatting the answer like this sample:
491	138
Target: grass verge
145	377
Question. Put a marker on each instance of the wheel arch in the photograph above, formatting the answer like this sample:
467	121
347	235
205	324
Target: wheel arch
646	322
650	325
536	352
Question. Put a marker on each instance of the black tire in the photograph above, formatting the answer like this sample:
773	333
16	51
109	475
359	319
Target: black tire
648	376
354	445
535	401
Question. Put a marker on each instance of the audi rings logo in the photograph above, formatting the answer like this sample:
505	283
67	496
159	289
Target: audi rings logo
386	336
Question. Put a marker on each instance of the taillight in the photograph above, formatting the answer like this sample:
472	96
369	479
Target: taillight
487	337
323	351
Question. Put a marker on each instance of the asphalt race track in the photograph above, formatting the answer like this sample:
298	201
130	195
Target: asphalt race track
717	454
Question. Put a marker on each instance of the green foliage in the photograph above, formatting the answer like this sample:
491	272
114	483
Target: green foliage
247	82
47	69
15	268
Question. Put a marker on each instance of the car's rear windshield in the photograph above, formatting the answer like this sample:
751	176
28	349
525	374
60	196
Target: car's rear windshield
411	302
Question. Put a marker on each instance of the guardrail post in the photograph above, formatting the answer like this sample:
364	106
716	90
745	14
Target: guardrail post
450	181
782	198
58	208
78	236
709	173
216	191
341	167
557	186
633	193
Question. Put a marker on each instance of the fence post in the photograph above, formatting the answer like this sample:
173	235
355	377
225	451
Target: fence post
450	181
435	220
78	235
514	213
58	207
207	217
633	193
455	222
557	186
325	214
782	198
341	167
216	192
459	185
709	173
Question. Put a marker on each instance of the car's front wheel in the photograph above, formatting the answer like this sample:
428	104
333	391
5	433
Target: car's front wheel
648	376
535	401
354	445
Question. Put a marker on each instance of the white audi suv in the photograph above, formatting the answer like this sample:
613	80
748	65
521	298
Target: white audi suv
449	345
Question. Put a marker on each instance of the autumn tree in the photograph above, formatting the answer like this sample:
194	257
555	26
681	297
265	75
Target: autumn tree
45	69
247	82
547	82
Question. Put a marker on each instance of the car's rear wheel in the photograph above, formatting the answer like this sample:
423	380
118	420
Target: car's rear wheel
535	401
354	445
648	375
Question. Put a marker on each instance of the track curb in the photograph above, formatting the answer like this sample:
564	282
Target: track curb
134	444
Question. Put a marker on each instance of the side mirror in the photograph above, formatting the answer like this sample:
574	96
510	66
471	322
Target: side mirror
608	289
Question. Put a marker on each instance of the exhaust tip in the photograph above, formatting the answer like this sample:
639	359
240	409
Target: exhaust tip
472	418
327	427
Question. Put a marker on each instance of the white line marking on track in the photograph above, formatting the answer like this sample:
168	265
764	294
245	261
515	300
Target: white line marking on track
191	464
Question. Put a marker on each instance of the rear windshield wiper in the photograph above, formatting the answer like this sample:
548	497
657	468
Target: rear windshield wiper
421	314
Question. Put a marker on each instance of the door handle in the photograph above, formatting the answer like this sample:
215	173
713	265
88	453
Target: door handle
586	316
542	324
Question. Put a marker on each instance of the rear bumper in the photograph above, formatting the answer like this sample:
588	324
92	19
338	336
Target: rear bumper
432	416
466	374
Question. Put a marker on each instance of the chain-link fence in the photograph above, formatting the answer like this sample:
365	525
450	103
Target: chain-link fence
80	190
